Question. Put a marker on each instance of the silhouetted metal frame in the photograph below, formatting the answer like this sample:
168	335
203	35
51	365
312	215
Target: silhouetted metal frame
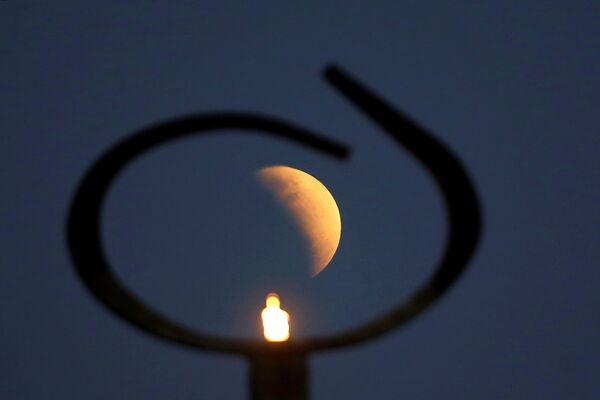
462	209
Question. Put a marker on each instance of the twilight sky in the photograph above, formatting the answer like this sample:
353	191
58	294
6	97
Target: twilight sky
511	86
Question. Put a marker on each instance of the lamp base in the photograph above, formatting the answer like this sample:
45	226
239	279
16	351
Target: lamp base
279	377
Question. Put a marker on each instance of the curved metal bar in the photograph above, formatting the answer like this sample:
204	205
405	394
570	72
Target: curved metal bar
83	230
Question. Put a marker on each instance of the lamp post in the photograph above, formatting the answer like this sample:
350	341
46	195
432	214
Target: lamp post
278	370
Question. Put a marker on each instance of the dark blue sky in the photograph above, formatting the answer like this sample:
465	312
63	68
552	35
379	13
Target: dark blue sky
512	87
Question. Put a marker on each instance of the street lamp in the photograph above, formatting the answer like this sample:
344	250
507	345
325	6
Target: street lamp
278	369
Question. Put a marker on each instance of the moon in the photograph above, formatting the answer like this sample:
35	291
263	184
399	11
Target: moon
312	207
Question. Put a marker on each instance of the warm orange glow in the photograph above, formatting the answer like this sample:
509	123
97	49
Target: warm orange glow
313	208
275	320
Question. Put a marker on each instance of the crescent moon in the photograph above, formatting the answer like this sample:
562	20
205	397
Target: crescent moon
312	207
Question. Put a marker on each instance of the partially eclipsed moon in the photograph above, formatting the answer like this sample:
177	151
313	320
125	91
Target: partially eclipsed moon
312	207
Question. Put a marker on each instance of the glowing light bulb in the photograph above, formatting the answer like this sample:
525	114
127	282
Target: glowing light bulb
275	320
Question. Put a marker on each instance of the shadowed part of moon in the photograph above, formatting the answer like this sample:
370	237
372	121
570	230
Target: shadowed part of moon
313	208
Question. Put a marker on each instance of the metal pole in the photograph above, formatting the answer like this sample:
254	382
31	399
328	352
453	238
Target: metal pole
279	377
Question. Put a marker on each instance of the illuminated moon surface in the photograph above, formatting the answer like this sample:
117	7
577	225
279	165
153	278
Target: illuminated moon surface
312	207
